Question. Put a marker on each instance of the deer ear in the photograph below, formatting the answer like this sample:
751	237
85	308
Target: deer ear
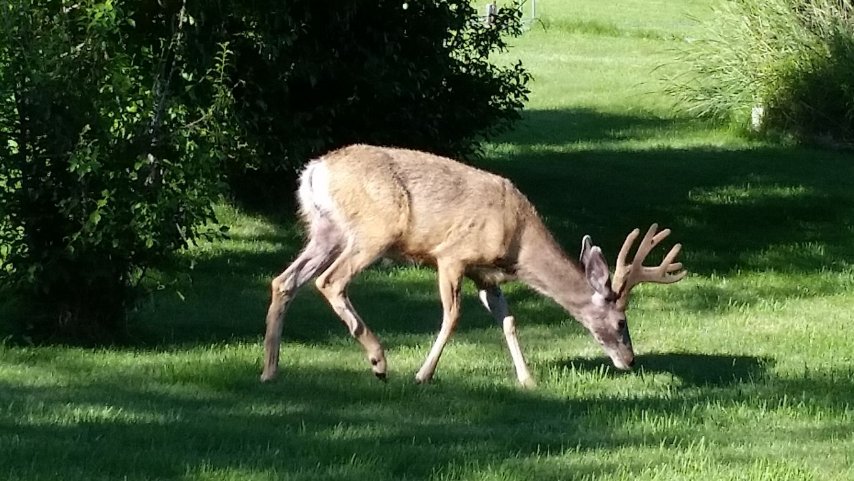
595	267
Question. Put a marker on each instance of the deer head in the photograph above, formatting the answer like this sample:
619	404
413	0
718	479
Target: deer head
605	315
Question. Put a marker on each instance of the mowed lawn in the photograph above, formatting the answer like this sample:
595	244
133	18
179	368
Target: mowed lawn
745	368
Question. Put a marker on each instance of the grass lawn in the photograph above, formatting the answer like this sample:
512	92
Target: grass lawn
746	368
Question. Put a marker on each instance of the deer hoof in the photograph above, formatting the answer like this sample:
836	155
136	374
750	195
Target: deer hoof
267	377
381	376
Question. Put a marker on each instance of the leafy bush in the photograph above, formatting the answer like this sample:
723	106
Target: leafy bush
794	58
119	119
106	163
311	76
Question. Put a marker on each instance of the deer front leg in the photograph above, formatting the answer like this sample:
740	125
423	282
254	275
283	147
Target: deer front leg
450	277
333	285
494	301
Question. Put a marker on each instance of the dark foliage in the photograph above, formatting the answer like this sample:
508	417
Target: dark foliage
105	168
310	76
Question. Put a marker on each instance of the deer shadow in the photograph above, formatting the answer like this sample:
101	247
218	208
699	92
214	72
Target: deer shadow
692	369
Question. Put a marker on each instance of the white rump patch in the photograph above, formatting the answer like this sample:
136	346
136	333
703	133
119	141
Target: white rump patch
314	196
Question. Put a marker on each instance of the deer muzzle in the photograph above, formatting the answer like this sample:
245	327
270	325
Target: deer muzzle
620	351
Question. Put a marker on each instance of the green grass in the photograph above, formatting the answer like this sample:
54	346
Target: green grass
746	369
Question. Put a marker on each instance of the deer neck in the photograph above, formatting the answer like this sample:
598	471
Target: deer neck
544	266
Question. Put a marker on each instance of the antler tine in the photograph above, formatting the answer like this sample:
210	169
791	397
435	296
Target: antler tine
626	276
621	269
663	273
650	240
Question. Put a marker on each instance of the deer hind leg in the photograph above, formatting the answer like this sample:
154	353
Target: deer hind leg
450	277
333	285
494	301
316	256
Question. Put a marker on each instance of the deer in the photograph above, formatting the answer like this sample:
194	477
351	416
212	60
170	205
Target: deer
361	203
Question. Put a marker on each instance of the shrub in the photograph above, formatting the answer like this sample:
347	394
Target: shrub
311	76
118	120
106	166
794	58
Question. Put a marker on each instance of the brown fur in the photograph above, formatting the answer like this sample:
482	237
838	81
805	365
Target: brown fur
425	206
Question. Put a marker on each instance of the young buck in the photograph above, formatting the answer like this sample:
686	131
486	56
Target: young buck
362	202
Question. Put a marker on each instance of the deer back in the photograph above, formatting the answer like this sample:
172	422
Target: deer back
426	206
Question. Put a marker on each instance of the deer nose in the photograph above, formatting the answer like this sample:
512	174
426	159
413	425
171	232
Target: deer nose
632	363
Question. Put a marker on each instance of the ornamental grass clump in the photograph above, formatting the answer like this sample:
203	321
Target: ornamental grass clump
784	66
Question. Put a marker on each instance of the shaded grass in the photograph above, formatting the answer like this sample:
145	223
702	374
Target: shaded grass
198	414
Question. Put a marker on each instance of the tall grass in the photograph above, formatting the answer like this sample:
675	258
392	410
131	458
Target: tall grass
794	59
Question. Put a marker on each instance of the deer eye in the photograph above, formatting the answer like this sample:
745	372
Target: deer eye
622	324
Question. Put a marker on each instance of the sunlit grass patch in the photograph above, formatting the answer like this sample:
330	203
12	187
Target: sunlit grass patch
735	194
